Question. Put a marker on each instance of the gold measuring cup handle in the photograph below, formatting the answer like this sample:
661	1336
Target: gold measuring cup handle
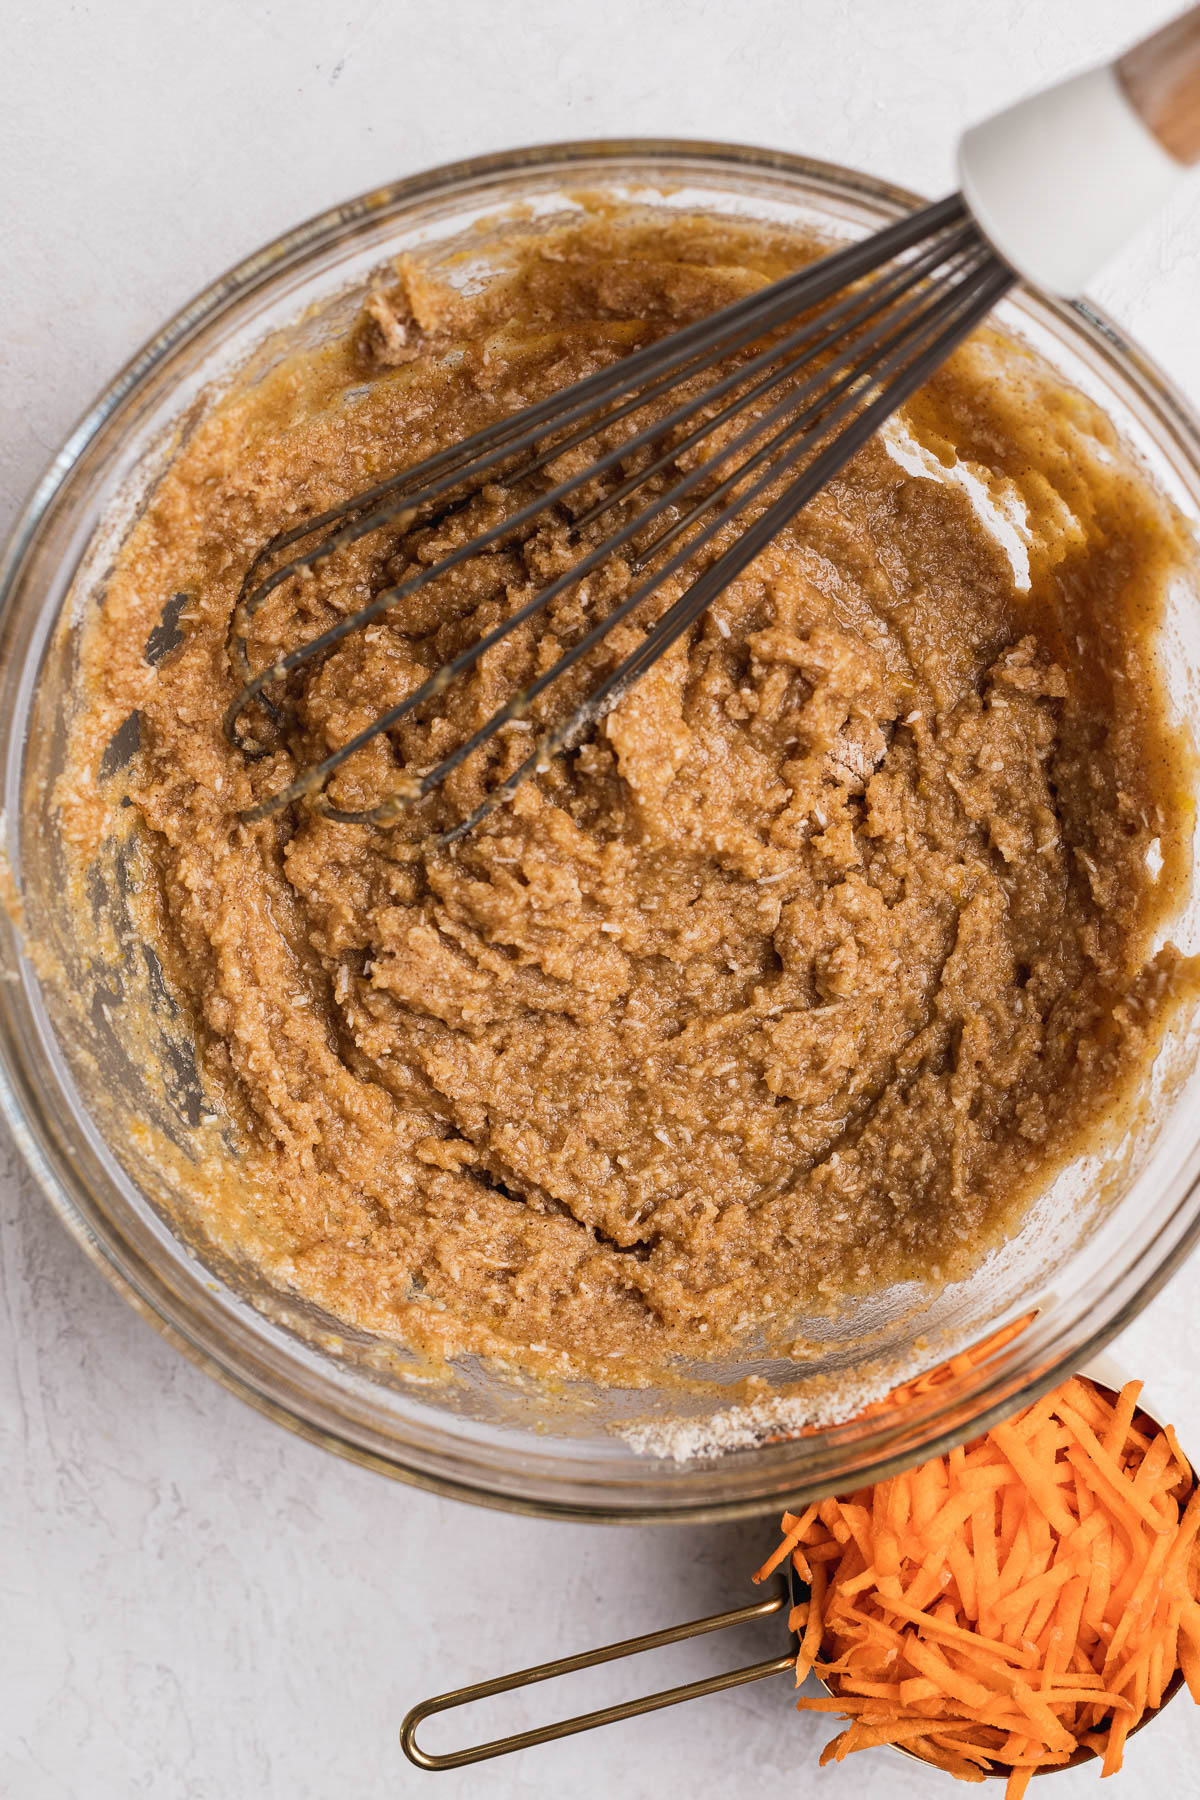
1102	1372
588	1659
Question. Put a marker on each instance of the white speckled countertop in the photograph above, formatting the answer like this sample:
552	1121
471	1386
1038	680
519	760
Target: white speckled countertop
193	1604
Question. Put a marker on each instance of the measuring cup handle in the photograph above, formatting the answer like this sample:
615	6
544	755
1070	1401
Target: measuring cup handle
589	1659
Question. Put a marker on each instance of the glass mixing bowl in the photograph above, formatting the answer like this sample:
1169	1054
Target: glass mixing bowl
79	1085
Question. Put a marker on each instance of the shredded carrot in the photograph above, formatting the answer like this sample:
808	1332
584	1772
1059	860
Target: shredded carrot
1028	1595
1189	1662
794	1530
1117	1430
1035	1481
1182	1461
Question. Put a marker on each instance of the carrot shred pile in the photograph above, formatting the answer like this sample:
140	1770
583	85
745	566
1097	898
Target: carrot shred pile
1027	1594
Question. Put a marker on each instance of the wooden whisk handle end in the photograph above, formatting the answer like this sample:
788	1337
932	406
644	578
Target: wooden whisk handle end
1161	76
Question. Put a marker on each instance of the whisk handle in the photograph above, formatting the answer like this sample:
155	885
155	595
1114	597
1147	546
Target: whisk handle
1061	180
1161	75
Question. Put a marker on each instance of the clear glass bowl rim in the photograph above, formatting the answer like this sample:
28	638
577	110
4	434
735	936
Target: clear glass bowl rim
1011	1382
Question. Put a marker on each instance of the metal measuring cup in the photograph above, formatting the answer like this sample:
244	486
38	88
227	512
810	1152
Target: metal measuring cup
790	1591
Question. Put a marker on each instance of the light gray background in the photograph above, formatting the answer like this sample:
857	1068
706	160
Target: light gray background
193	1604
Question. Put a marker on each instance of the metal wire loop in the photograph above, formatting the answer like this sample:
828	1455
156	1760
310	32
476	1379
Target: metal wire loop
887	312
590	1659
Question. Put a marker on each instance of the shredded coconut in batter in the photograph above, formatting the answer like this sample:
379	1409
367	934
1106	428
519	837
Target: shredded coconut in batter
798	979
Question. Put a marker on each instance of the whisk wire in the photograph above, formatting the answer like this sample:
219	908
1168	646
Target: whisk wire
837	376
811	339
689	607
846	317
754	315
794	431
579	571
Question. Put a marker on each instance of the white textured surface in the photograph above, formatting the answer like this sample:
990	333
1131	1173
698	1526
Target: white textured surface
194	1605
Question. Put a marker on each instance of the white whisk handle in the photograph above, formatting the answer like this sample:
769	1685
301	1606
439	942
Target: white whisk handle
1059	182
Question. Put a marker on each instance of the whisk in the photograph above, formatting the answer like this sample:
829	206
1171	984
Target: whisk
765	401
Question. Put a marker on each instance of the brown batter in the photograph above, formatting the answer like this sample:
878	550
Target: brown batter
798	979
